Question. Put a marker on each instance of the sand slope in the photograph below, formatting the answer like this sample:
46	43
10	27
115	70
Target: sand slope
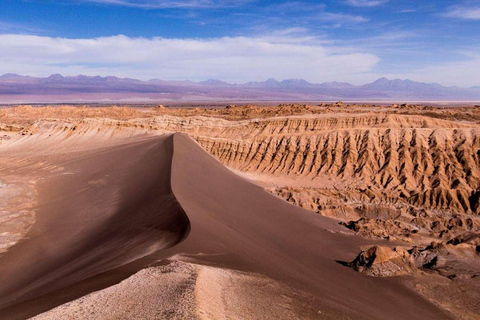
237	224
117	204
183	290
105	209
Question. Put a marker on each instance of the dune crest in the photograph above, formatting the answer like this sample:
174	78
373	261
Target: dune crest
94	214
152	195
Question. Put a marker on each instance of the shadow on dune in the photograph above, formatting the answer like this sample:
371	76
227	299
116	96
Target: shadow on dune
231	223
107	209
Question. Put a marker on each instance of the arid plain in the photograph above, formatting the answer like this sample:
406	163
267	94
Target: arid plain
335	211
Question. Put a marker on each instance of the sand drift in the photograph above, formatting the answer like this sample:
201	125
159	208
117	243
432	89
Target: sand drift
107	209
165	196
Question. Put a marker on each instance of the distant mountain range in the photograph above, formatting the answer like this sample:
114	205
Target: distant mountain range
56	88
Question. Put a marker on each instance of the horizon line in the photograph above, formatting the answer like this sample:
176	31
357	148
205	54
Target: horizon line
201	82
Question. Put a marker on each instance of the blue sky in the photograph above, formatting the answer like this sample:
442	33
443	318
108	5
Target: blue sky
244	40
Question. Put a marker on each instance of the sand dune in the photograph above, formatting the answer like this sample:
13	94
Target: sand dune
256	232
104	209
131	212
117	195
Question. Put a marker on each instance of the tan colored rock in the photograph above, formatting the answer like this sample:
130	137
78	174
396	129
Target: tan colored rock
384	262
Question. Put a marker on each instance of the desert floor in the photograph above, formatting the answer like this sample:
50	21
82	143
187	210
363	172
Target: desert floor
240	212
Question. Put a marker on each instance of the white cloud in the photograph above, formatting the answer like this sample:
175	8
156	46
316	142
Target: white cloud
235	59
467	13
341	17
289	53
312	13
410	10
366	3
163	4
7	27
459	73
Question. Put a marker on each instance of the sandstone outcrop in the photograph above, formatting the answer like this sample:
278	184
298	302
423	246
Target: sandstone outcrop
384	262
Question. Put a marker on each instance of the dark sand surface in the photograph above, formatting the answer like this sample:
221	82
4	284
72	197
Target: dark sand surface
237	224
117	206
107	209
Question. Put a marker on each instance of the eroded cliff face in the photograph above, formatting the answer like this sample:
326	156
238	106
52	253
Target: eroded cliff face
407	173
401	174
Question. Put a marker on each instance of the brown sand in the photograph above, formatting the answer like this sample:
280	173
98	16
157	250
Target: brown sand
104	201
105	209
84	229
182	290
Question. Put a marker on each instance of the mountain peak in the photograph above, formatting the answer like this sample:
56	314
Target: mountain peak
56	76
14	76
295	83
382	80
10	76
299	89
271	80
214	82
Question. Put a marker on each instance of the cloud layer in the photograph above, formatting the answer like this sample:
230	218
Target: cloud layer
366	3
286	54
162	4
235	59
467	13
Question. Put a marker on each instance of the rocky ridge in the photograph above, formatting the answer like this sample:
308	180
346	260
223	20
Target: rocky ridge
399	172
